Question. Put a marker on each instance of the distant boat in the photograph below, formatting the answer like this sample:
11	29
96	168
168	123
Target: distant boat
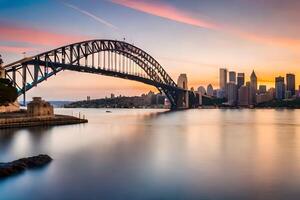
108	111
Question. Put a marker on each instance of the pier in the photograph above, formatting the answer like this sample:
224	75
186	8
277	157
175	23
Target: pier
21	119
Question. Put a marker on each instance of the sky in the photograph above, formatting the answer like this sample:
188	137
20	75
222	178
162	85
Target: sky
196	37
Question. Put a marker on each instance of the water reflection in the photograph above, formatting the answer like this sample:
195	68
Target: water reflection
151	154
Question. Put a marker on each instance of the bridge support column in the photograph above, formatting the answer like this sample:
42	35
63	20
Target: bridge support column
182	99
24	81
14	76
183	96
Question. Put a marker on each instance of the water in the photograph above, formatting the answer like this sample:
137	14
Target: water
150	154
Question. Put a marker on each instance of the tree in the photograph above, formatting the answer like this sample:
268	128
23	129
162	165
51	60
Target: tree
1	61
8	93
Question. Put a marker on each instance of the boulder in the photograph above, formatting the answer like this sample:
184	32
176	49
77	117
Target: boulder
18	166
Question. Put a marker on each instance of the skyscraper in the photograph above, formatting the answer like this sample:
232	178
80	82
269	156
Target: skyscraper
253	88
290	83
232	77
240	80
244	96
223	78
232	93
279	88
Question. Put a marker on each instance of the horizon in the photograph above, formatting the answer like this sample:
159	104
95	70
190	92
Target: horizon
240	36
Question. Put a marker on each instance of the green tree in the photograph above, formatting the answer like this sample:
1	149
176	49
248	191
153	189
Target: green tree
1	61
8	93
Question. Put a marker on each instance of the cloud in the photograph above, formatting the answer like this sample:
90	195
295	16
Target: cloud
33	36
94	17
166	11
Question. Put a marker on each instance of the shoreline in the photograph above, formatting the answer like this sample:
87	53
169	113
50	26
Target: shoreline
200	108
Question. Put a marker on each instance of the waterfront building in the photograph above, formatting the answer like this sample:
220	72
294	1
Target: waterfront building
240	80
88	98
39	108
220	94
112	96
210	90
223	78
253	88
272	93
263	97
262	89
201	90
232	77
243	93
290	83
288	94
215	93
279	88
232	93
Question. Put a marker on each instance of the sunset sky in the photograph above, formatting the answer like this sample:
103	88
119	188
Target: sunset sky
194	37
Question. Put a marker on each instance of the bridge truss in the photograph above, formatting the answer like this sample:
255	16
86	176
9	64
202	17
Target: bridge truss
103	57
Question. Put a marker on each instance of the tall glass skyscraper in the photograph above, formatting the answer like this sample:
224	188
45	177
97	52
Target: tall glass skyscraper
279	88
290	83
223	78
253	88
232	77
240	80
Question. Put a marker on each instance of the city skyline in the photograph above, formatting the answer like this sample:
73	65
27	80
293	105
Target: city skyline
202	33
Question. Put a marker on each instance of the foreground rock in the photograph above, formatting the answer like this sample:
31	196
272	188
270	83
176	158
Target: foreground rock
18	166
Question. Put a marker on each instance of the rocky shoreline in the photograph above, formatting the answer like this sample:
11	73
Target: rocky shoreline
18	166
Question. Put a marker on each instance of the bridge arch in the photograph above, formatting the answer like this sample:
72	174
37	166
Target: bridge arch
104	57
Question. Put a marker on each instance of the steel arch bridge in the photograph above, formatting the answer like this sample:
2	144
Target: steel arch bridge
103	57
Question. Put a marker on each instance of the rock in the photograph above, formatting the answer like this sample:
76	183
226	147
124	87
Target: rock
18	166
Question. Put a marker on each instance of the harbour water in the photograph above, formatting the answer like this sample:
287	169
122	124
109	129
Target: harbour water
154	154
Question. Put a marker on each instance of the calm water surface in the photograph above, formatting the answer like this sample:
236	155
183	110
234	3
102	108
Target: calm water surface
151	154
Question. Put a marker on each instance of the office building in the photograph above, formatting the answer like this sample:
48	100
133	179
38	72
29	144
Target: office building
253	88
272	92
223	78
279	88
262	89
243	92
288	94
290	83
240	80
220	94
263	97
232	77
232	93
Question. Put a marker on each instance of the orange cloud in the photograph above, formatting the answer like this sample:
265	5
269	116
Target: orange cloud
167	11
35	36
